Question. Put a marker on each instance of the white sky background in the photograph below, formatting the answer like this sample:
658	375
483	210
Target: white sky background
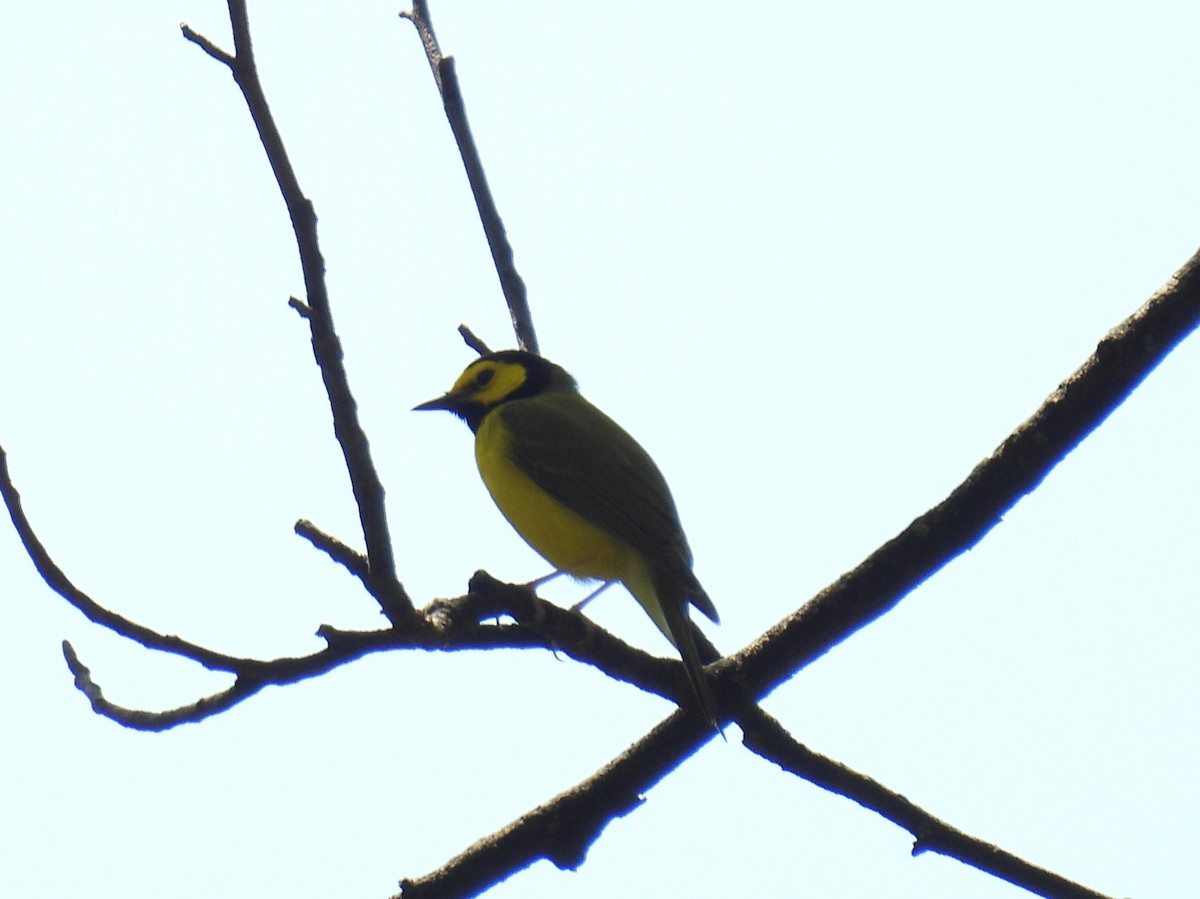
819	258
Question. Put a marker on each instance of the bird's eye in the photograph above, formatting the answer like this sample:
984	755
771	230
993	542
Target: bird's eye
485	377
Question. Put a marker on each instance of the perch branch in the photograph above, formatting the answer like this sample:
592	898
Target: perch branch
445	626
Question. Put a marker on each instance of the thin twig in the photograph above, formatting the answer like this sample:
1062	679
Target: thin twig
300	306
57	580
350	559
473	341
137	719
419	16
327	349
445	77
222	56
765	736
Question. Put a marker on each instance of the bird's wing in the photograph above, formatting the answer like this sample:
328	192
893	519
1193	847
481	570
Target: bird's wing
618	488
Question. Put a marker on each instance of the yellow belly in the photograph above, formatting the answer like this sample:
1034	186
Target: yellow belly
563	538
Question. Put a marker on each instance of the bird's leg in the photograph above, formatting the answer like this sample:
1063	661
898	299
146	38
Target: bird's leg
578	607
570	570
545	579
559	572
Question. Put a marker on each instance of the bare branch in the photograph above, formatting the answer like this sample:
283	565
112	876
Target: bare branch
58	581
300	306
154	721
766	737
1123	358
327	348
562	830
419	16
489	215
221	56
453	625
446	625
474	342
353	561
252	676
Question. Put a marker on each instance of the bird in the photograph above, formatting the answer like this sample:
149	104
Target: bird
581	492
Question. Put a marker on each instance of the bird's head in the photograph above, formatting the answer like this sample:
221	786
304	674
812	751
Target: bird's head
498	378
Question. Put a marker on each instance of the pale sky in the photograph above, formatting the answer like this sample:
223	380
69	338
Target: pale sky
818	258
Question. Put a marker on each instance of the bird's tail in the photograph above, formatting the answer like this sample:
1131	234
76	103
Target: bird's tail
680	631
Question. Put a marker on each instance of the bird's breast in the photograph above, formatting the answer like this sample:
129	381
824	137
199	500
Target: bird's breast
561	536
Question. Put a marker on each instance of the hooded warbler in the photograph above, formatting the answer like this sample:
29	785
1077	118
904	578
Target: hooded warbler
581	491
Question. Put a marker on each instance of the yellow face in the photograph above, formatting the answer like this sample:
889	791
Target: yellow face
487	382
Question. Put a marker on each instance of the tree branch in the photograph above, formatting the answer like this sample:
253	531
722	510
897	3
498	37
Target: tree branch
562	830
766	737
444	626
354	562
57	580
446	78
1123	358
137	719
473	341
327	348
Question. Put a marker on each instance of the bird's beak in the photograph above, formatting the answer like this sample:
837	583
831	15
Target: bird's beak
442	402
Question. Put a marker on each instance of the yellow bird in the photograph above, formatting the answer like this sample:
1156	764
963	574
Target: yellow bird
581	491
